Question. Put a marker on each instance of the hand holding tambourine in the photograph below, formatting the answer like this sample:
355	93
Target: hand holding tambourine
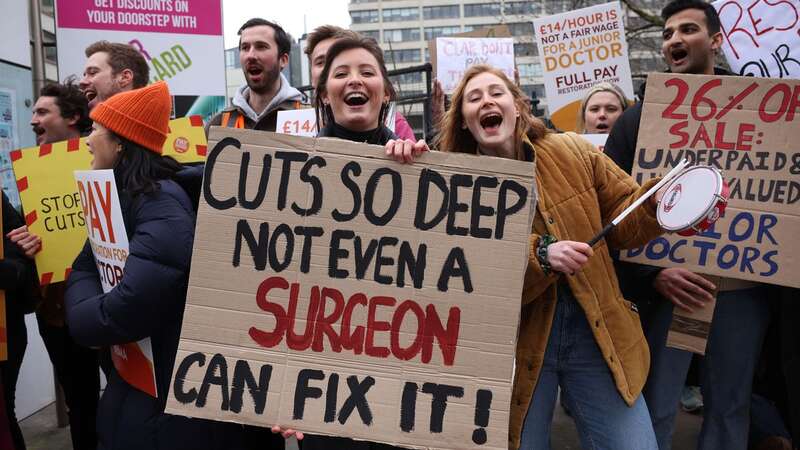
693	199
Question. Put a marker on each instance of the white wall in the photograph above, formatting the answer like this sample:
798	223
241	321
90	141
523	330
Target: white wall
35	388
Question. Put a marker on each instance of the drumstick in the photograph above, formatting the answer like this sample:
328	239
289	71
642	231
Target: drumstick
671	174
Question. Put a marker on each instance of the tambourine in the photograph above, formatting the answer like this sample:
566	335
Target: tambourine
693	201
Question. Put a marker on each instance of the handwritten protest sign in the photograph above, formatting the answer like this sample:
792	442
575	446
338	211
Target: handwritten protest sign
761	38
335	291
297	122
494	31
454	55
51	203
745	128
109	241
579	49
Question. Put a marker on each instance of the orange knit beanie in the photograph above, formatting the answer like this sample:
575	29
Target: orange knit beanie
140	115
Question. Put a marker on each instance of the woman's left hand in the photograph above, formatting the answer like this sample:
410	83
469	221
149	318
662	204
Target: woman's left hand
405	150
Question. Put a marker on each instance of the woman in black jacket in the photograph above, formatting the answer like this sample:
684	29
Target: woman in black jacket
352	97
15	280
128	134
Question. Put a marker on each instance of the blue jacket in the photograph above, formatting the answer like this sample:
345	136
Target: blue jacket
148	302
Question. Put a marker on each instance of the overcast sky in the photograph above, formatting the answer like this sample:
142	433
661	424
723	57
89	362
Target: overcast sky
289	14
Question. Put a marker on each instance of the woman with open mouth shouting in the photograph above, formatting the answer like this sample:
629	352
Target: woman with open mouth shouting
600	108
352	98
576	330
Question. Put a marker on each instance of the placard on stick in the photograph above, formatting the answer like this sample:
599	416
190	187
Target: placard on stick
50	200
338	292
579	49
746	128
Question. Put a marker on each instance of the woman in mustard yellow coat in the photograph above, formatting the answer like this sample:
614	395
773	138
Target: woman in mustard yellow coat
576	330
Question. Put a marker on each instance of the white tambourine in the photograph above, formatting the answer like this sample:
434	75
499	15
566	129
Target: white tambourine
693	201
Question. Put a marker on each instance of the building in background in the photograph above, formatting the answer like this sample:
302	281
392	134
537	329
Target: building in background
404	27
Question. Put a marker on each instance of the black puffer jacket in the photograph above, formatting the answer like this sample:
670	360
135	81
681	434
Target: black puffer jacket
148	302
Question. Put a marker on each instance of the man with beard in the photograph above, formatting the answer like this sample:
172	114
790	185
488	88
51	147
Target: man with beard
61	112
112	68
691	38
263	52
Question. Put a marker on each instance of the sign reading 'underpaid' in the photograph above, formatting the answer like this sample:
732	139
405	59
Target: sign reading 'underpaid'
746	127
338	292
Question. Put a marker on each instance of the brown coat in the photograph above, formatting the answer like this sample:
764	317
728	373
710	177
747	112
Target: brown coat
581	190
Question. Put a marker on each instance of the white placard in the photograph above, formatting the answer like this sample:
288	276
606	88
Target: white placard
761	39
182	41
599	140
454	55
579	49
109	241
298	122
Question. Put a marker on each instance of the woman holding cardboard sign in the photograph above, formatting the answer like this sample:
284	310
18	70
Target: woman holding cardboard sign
353	93
576	330
148	296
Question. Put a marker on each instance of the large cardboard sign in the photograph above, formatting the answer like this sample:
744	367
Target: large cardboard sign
579	49
180	39
109	241
761	38
454	55
338	292
51	203
746	127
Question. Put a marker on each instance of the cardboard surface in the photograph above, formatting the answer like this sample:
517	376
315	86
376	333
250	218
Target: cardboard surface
109	241
577	50
746	127
51	203
421	320
761	39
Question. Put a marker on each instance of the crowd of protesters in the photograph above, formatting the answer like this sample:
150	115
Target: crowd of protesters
599	338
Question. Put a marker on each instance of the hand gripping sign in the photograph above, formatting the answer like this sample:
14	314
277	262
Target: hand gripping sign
109	240
336	291
51	203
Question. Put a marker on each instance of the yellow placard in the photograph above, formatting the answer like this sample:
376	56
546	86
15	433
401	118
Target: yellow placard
50	198
186	141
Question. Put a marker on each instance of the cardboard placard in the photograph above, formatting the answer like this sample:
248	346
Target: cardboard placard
109	241
761	39
746	128
579	49
297	122
52	205
454	55
338	292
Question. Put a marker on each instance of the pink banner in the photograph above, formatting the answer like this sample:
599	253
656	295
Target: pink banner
152	16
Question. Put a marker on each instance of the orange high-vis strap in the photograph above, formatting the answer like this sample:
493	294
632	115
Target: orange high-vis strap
237	122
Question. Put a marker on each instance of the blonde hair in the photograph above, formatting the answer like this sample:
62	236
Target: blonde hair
599	87
454	138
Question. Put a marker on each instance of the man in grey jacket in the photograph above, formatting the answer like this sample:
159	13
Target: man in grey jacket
263	52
